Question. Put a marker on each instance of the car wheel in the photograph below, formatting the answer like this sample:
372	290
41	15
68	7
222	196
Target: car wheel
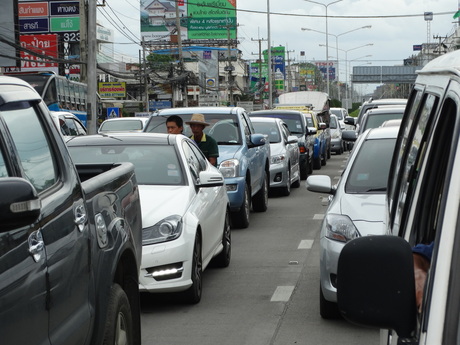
323	159
317	163
328	152
260	200
296	183
310	165
304	170
119	323
223	259
240	219
193	294
327	309
287	189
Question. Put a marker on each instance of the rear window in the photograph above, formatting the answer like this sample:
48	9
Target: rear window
120	126
374	121
369	173
293	121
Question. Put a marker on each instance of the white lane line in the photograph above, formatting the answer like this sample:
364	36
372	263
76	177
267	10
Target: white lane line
305	244
282	294
319	216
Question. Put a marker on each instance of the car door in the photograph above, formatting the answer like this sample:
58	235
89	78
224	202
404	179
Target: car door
207	204
62	231
254	156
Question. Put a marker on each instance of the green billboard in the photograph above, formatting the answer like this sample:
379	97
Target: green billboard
211	19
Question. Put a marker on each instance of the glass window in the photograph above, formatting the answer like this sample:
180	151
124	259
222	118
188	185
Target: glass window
3	171
270	129
31	143
369	172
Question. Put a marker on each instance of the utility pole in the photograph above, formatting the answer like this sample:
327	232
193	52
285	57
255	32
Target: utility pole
88	56
269	62
230	68
146	85
289	79
181	57
260	40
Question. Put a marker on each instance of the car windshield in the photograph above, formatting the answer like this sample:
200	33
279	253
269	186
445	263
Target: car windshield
121	126
370	169
374	121
270	129
293	121
153	164
223	128
337	112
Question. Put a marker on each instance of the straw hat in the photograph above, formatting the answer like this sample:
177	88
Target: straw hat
197	119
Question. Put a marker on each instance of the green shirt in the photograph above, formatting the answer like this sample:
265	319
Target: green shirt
208	146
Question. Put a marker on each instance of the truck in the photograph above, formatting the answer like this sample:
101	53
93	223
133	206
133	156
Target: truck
315	102
70	236
244	155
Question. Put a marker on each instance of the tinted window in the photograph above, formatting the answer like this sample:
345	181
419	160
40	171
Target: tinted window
154	164
124	125
293	121
375	120
270	129
31	143
369	172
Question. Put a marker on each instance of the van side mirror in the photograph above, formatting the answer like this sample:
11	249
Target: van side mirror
376	283
350	120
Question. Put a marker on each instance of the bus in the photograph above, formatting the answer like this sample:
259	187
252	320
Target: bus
58	92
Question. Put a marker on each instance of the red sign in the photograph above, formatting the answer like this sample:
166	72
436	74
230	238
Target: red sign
33	9
46	44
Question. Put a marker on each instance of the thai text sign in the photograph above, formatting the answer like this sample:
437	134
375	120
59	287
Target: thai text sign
112	89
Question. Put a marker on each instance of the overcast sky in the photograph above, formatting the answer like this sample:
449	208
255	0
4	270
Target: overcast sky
397	25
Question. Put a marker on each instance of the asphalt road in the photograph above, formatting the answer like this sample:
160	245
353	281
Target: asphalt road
269	295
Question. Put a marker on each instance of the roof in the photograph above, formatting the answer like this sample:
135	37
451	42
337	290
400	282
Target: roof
123	138
381	133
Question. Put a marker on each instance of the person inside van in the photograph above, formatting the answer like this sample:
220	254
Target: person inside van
422	259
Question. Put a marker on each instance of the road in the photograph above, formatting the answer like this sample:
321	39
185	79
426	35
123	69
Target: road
269	295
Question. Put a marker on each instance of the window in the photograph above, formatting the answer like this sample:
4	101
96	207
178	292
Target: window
195	160
3	171
31	143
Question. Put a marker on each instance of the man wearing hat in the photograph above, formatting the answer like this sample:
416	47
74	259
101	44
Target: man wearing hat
206	143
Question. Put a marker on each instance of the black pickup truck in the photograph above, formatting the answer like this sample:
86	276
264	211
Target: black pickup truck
70	237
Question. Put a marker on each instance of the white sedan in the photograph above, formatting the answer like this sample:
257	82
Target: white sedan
185	208
356	208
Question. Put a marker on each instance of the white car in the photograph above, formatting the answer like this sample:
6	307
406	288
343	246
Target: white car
123	124
356	206
68	124
284	153
185	208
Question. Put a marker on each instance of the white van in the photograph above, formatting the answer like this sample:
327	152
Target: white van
376	273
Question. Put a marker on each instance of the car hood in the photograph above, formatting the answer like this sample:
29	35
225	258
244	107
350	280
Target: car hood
277	149
158	202
228	152
366	211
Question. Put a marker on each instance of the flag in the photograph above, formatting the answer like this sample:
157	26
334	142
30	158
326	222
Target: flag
457	14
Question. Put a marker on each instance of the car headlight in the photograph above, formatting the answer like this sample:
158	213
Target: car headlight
340	228
336	135
229	168
167	229
278	159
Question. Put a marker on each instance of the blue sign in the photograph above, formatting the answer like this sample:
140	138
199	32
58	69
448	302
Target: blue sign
33	25
154	105
207	54
66	8
417	47
113	112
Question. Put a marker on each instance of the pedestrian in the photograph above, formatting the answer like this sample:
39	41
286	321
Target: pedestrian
174	124
206	143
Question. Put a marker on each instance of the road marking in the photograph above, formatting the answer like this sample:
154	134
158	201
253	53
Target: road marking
319	216
282	294
305	244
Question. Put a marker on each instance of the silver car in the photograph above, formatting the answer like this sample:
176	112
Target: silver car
336	135
285	155
356	205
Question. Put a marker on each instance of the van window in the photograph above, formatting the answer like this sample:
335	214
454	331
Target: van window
412	142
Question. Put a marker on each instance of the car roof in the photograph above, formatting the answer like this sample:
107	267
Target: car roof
387	101
274	111
386	110
381	133
266	119
202	110
131	118
125	138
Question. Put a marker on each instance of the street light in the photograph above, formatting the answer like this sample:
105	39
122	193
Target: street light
327	40
346	59
337	46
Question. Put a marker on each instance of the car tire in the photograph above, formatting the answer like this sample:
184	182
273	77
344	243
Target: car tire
304	171
323	159
119	323
193	294
327	309
296	183
240	218
317	163
286	191
260	200
223	258
310	165
328	152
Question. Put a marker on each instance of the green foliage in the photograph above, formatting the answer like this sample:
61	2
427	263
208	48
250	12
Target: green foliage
354	113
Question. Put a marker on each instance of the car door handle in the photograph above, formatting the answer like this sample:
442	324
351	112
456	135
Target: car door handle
80	217
36	245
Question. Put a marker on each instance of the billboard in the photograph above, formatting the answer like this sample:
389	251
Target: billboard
204	19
